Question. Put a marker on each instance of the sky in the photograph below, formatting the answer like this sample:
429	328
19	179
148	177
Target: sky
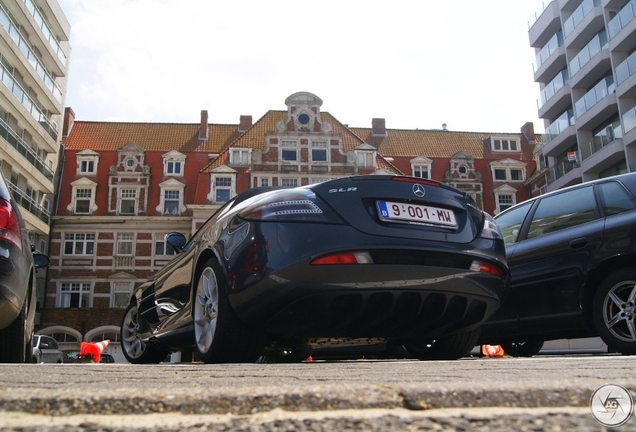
418	64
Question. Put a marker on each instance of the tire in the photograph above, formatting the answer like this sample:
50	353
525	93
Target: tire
135	349
450	347
526	348
219	335
13	349
613	311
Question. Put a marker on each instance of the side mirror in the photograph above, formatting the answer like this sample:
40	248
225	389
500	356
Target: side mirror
176	240
40	260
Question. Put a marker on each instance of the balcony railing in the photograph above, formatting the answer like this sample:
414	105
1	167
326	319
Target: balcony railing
595	95
564	121
18	143
553	44
560	80
579	15
44	26
39	114
596	45
626	69
560	169
29	204
595	145
629	120
29	53
622	18
538	12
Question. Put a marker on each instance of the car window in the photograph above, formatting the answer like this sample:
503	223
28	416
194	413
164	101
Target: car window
615	198
564	210
510	222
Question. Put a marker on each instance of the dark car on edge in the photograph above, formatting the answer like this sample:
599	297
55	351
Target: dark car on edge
17	282
410	261
572	259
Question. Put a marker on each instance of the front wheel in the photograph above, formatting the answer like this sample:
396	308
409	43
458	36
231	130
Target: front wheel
219	335
450	347
135	348
613	311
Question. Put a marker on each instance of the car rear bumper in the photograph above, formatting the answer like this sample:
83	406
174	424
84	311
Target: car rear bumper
388	301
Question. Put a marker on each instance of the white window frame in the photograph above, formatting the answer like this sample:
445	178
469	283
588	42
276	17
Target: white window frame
85	186
129	195
289	182
168	196
420	164
124	241
320	147
66	290
501	192
171	185
263	181
120	293
365	159
85	241
508	166
240	156
505	144
173	164
215	187
288	146
87	161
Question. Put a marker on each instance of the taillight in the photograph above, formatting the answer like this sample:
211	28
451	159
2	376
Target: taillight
300	205
9	227
483	267
340	258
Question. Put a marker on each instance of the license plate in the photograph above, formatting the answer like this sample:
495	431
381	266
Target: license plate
401	212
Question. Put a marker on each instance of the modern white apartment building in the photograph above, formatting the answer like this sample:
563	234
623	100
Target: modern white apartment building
34	52
34	55
586	69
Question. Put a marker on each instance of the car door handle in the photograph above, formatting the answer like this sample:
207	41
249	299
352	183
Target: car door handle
578	242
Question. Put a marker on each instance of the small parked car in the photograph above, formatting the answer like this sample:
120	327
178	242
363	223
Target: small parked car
46	350
18	263
572	259
277	273
106	358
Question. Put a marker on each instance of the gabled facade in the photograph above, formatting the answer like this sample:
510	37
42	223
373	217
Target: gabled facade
125	185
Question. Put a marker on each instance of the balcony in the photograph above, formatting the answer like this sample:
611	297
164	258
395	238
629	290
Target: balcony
27	152
595	95
622	19
588	57
46	30
545	22
29	53
38	113
29	204
564	174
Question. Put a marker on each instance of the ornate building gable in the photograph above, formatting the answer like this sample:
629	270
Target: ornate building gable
463	175
128	182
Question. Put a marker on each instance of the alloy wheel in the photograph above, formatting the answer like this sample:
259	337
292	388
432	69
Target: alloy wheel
206	310
619	311
132	343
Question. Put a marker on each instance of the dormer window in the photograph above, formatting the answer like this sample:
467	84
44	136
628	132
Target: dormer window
508	170
173	164
505	144
87	163
421	167
240	156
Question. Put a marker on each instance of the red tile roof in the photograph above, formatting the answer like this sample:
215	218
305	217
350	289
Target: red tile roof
109	136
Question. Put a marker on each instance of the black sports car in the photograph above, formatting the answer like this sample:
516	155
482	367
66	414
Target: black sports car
362	259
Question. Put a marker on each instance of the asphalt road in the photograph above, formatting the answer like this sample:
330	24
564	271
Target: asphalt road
550	393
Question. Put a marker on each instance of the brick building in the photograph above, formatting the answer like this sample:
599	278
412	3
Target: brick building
125	185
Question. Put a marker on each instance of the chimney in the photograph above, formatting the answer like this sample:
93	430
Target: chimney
245	123
203	127
69	119
378	127
528	131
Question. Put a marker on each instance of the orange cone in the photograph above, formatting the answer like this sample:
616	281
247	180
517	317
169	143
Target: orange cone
93	351
492	350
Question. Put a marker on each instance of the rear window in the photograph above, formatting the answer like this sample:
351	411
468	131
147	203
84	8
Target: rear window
564	210
615	198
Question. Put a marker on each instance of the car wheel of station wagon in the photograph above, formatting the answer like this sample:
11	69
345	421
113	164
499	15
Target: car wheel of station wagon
450	347
219	335
526	348
614	310
135	349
